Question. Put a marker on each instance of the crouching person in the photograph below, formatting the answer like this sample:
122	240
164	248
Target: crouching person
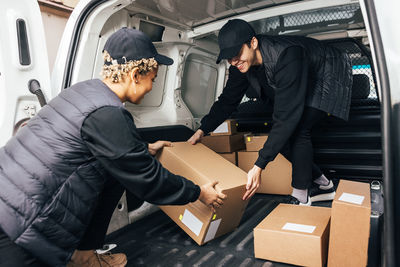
63	173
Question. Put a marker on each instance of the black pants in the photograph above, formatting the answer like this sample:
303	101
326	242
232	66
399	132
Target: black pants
299	150
12	255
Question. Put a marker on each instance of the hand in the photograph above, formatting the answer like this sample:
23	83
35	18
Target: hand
210	197
196	137
253	182
154	147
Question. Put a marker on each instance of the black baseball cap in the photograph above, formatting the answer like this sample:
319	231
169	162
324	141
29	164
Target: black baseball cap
131	44
232	36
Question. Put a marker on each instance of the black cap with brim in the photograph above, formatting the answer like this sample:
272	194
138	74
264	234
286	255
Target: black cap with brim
163	60
232	36
229	52
129	44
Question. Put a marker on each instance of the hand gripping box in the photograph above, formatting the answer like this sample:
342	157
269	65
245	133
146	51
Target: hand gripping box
276	178
350	226
294	234
202	165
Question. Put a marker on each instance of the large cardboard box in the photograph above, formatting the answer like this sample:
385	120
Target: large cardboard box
294	234
231	157
276	178
350	226
255	142
224	143
202	165
228	127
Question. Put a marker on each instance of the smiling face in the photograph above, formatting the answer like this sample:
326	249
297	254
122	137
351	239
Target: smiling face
246	57
141	84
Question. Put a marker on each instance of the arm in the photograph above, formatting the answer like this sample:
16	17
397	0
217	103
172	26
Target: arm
227	102
291	81
111	136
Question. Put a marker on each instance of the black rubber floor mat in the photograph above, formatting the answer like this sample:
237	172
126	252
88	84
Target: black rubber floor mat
157	241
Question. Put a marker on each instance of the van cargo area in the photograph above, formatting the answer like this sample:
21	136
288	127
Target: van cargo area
358	150
157	241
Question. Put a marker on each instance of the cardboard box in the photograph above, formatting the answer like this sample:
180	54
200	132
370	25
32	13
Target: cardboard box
231	157
276	178
224	143
350	225
255	142
294	234
202	165
228	127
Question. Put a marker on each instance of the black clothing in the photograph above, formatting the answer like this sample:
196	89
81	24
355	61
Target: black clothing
298	72
12	255
300	154
111	136
51	173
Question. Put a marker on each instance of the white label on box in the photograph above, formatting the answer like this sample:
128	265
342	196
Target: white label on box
223	128
352	198
192	222
212	230
299	227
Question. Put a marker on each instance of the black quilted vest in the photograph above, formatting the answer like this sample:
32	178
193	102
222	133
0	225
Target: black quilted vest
330	72
49	181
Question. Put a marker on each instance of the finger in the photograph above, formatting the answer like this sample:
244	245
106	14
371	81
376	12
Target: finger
246	194
249	183
221	196
214	183
167	143
219	201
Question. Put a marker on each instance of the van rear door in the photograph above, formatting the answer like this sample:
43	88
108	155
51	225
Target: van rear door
23	60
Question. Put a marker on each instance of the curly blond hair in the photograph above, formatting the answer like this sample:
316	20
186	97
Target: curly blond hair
116	71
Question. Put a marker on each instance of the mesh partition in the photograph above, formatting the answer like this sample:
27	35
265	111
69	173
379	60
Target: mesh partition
334	19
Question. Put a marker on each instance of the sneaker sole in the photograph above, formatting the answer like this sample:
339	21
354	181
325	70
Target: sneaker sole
323	197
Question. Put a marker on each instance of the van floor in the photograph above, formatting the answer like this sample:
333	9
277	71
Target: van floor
157	241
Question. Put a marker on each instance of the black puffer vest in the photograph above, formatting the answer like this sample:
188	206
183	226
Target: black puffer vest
49	181
329	76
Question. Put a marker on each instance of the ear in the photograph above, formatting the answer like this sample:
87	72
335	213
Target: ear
134	75
254	43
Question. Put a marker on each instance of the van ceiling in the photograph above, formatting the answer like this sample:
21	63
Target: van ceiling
187	14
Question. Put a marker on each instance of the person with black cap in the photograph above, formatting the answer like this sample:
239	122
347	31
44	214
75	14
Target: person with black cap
62	175
304	80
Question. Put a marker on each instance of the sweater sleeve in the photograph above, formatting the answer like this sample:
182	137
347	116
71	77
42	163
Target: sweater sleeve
112	137
290	93
227	102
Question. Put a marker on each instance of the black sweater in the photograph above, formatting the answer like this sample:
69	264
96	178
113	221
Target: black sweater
112	137
288	98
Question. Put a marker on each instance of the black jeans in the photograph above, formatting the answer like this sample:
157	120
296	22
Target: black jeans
299	150
12	255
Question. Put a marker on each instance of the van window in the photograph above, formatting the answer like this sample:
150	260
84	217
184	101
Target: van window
198	84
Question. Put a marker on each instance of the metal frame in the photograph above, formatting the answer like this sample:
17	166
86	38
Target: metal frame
269	12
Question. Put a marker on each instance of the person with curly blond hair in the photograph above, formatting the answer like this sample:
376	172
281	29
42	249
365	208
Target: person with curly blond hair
62	174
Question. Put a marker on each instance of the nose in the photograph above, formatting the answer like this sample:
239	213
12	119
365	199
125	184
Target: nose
233	61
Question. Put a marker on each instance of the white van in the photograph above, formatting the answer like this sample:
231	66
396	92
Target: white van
366	148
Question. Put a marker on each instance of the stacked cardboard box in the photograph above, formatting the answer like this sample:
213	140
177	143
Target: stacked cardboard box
225	140
202	165
294	234
276	178
350	225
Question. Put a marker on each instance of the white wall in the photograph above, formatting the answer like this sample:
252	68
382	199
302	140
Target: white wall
53	28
